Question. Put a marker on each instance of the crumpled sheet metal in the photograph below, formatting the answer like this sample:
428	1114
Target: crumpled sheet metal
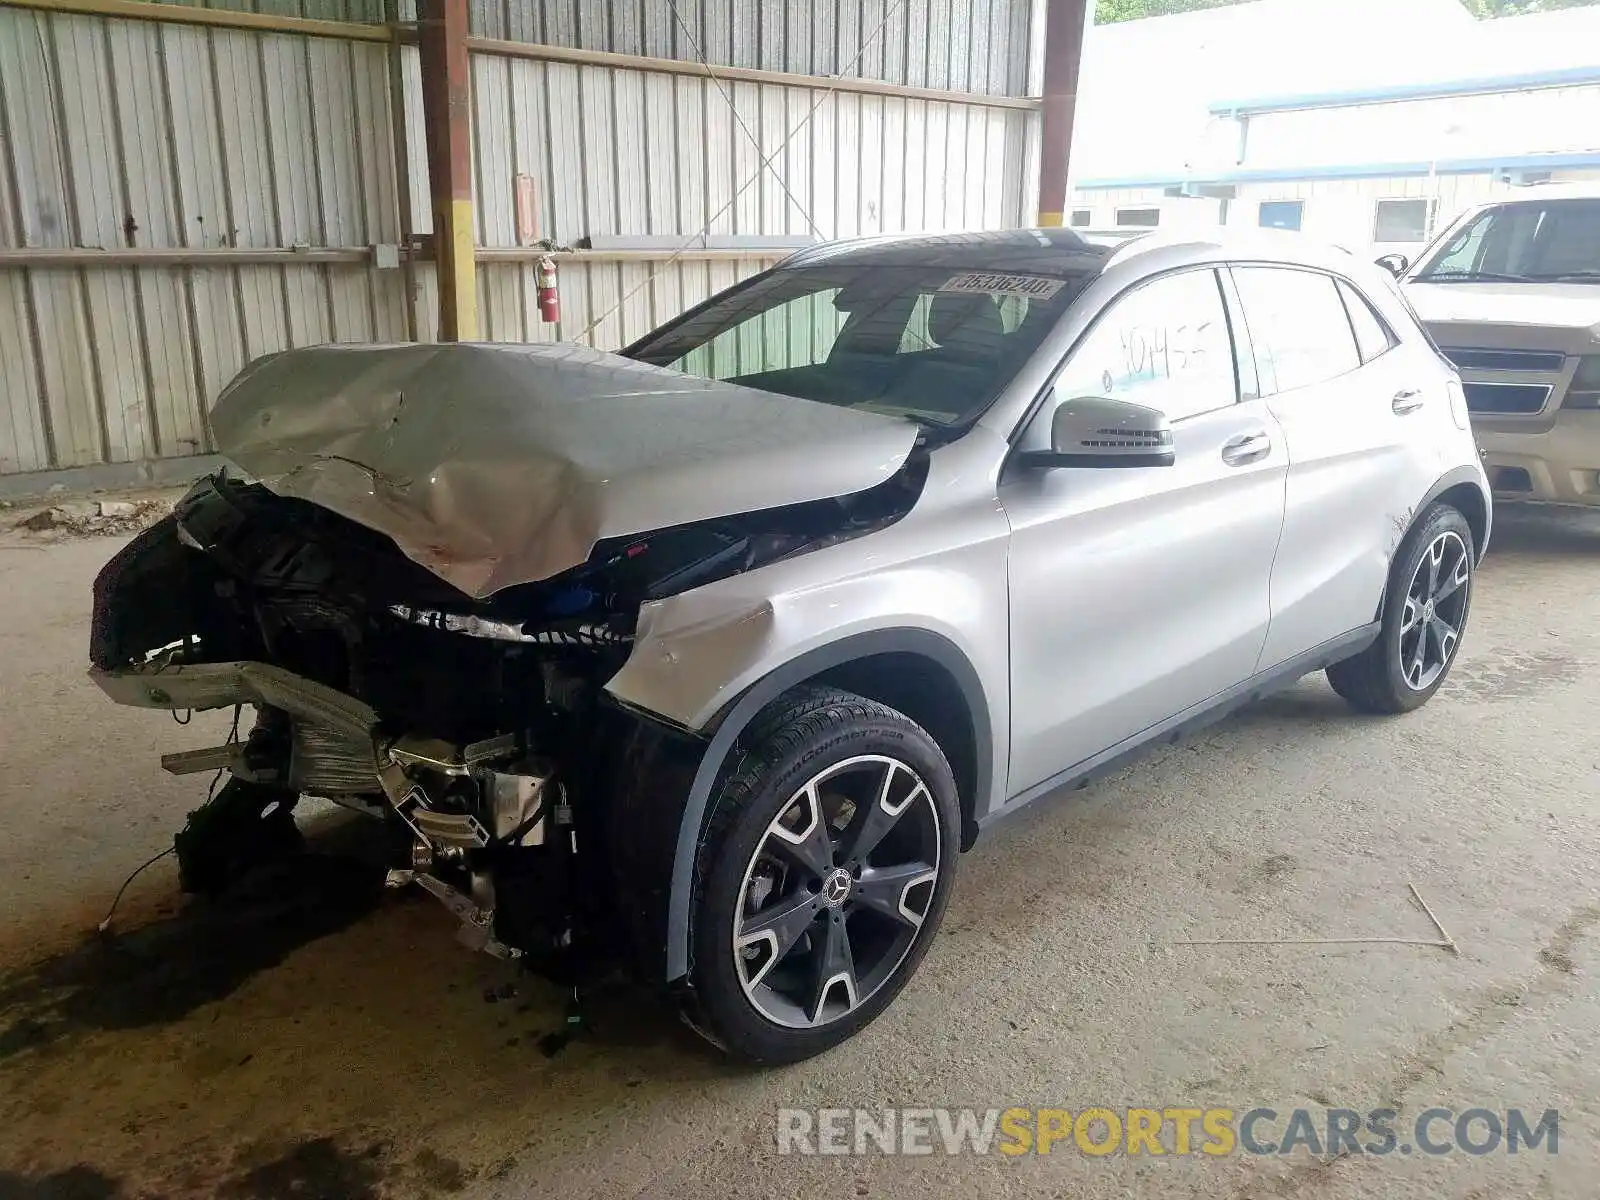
495	465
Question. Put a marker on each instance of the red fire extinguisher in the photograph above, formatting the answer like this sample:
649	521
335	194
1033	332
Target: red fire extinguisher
544	278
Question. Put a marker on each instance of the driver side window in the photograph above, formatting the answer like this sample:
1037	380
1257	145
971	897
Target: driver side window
1164	345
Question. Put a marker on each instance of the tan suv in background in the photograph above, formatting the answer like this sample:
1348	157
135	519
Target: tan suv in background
1511	293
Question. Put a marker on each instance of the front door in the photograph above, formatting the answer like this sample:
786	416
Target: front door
1137	593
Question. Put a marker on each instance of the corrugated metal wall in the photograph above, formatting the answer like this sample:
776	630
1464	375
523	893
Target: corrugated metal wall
121	134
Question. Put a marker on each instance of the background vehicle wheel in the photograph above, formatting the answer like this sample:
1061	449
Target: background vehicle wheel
1430	592
824	872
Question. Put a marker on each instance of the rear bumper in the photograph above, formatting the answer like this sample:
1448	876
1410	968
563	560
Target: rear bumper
1559	464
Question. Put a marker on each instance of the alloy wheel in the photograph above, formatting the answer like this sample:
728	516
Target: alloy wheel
1435	610
836	892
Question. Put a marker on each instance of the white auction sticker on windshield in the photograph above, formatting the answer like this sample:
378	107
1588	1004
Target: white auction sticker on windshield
1003	285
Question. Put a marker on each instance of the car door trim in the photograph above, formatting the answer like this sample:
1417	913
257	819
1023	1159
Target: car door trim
1192	719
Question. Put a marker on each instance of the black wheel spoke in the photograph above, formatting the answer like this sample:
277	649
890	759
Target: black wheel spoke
1435	610
874	820
833	971
810	844
883	890
779	926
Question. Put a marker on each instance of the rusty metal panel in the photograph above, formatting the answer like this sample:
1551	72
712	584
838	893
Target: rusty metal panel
143	144
87	123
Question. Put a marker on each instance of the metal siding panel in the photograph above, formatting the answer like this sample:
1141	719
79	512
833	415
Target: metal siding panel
30	104
895	38
565	222
996	213
169	356
88	123
627	27
772	30
502	284
660	171
747	172
350	298
374	118
66	350
307	302
894	165
936	167
824	187
853	22
1018	46
978	35
338	155
847	162
795	161
486	18
143	119
631	167
522	20
427	302
389	300
918	49
940	48
261	310
771	130
293	137
744	33
417	147
219	338
530	134
692	211
202	198
797	37
247	166
825	37
955	168
491	151
600	151
659	30
560	22
872	154
916	173
24	443
638	310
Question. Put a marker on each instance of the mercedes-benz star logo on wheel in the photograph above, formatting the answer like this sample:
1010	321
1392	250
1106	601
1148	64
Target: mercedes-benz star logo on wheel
836	888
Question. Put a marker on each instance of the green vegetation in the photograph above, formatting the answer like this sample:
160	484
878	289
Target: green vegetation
1107	11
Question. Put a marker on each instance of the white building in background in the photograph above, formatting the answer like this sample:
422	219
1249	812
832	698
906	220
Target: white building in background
1366	122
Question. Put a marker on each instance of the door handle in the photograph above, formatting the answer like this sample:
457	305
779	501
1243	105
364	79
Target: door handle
1246	448
1407	401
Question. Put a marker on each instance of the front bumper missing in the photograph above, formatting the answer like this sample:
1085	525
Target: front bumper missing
161	684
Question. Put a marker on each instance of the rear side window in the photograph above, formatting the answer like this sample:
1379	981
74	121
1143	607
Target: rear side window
1298	327
1165	344
1372	335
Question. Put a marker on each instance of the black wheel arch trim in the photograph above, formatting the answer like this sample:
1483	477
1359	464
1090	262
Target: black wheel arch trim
737	715
1454	478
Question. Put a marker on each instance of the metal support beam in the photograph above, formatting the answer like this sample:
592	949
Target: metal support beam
1064	24
446	115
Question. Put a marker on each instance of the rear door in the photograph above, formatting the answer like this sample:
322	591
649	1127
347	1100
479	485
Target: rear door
1352	403
1137	593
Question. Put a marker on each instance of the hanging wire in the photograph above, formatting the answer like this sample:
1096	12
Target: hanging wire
211	793
866	44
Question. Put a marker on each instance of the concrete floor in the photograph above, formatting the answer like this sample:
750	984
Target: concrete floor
322	1041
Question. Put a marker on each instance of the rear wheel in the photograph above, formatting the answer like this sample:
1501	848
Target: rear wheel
1424	617
824	873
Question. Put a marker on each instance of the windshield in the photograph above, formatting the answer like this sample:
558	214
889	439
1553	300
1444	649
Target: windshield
932	344
1527	241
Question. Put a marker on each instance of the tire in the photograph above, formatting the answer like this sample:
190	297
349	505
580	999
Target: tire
1388	677
782	875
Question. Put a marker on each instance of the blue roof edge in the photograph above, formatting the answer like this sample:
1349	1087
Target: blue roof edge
1473	86
1444	166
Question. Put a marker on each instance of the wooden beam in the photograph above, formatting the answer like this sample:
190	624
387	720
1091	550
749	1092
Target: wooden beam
446	117
183	14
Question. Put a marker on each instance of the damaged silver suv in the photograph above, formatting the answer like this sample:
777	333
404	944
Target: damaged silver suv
713	655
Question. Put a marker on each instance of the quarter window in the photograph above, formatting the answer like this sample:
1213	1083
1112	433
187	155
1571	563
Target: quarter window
1372	335
1298	327
1164	345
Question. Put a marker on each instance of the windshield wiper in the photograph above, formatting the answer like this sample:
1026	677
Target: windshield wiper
1588	275
1473	277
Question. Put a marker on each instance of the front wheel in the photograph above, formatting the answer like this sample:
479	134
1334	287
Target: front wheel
1424	617
824	872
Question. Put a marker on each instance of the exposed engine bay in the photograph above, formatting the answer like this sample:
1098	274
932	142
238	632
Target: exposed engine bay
477	730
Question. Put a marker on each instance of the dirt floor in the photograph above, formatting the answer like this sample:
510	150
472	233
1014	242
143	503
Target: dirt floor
319	1039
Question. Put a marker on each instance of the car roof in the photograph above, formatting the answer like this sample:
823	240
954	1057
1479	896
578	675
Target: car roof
1064	252
1050	251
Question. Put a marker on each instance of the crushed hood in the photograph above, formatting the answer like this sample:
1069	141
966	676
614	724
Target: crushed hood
496	465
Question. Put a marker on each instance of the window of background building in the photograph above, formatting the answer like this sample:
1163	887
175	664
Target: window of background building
1281	214
1402	220
1081	218
1139	218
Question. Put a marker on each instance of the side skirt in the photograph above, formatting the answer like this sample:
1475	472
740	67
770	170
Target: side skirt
1191	720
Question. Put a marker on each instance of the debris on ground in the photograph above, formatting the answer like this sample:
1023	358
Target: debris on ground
97	517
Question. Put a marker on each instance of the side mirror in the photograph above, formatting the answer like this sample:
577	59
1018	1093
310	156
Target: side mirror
1396	264
1094	431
